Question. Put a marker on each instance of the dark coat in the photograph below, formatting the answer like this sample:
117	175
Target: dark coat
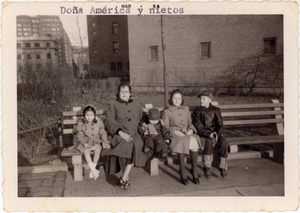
125	116
160	128
208	120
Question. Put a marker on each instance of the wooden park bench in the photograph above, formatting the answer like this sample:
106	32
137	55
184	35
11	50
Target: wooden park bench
233	115
249	115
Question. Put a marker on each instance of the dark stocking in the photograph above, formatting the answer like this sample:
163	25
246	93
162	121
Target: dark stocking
181	166
194	159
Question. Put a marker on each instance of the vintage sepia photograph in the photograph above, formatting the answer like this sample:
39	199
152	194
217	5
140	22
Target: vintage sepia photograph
220	132
159	104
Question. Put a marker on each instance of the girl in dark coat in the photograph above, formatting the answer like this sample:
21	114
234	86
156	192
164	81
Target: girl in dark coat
184	140
123	117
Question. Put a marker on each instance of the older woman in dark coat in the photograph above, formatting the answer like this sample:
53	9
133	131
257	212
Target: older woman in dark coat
184	140
123	117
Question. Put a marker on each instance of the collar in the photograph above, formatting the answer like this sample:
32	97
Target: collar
174	108
209	106
121	101
86	122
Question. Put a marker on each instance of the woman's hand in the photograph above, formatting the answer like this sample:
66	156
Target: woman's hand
179	133
190	132
125	136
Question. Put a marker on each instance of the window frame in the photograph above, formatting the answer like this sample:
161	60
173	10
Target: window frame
271	51
150	53
115	28
207	44
116	47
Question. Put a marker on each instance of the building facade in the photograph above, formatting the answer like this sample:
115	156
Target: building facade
198	48
35	53
49	26
108	45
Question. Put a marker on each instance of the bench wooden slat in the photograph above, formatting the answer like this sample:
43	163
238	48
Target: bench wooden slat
255	140
69	121
68	131
245	106
79	113
230	114
66	153
260	121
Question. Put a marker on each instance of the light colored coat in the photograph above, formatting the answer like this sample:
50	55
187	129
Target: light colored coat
179	118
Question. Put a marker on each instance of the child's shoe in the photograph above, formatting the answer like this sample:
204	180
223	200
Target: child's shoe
148	151
163	157
91	175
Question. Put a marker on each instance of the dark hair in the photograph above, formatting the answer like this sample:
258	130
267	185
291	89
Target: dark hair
89	108
122	85
176	91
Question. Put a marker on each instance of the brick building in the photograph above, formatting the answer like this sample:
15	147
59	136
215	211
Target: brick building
35	53
199	48
108	45
50	26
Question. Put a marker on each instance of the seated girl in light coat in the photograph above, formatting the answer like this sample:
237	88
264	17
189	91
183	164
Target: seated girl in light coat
91	135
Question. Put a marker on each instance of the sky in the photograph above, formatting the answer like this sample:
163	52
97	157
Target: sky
70	26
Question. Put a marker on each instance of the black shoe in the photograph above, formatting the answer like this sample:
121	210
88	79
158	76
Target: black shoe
121	183
223	173
207	172
185	182
191	171
196	180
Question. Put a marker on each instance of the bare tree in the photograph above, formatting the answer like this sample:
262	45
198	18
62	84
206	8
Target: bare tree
79	35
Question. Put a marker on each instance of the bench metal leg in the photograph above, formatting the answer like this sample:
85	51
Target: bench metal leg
77	163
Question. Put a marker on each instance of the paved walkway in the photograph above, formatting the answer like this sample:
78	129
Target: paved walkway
246	177
49	184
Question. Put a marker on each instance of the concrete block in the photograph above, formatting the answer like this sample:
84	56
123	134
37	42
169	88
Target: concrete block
39	194
61	174
59	182
30	183
48	182
58	191
22	192
25	177
41	188
43	175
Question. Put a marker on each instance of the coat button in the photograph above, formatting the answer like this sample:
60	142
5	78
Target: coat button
179	113
92	134
181	120
129	119
129	111
92	128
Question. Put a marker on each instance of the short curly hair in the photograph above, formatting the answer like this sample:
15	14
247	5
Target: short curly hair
122	85
176	91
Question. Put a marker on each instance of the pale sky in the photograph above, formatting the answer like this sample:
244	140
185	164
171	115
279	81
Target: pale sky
70	26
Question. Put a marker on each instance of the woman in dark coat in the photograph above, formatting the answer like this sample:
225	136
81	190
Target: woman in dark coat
184	138
123	117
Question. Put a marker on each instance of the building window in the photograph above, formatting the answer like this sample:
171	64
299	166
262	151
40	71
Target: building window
24	29
95	51
19	57
48	55
26	34
38	56
47	44
94	33
36	44
112	66
115	28
19	45
269	45
153	54
205	49
93	24
19	25
94	43
115	47
19	29
120	66
27	44
49	35
19	34
95	61
28	56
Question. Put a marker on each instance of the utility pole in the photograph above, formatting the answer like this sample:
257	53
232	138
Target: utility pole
163	45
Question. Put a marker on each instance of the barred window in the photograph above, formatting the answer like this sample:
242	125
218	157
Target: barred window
115	47
115	28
